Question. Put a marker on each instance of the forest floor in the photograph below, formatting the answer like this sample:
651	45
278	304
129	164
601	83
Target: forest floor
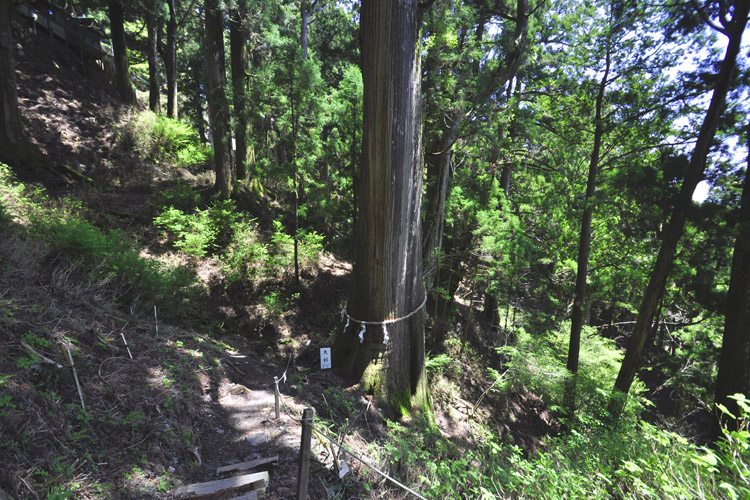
198	390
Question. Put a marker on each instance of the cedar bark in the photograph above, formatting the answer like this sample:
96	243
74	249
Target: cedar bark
218	108
119	46
734	362
673	231
387	274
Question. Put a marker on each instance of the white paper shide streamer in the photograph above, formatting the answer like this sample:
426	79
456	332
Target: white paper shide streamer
384	324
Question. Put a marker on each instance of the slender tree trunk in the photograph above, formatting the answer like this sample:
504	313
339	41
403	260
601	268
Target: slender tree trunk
303	28
438	160
14	145
119	47
218	108
196	97
584	248
673	231
295	186
238	43
505	179
295	120
654	334
438	175
492	310
170	61
448	276
734	362
153	27
387	274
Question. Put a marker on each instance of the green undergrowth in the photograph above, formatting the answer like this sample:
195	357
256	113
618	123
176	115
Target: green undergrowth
159	139
592	459
223	231
64	281
107	257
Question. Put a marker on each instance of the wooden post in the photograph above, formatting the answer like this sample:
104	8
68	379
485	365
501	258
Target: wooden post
277	397
69	359
304	454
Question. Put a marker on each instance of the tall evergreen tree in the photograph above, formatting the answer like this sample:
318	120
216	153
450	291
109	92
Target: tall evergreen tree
733	28
734	362
387	275
218	108
122	67
170	61
153	26
238	35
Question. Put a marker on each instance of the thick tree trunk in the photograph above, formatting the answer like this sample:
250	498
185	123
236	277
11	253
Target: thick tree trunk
14	145
238	47
153	26
584	248
122	67
387	274
674	229
734	363
218	108
170	61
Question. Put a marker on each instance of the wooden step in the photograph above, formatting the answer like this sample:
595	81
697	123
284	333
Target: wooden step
256	481
247	465
253	495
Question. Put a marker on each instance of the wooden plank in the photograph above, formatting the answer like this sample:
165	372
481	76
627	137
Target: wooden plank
247	465
253	495
212	488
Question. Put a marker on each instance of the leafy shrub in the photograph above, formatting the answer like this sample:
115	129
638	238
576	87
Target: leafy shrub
439	363
200	232
194	154
182	196
108	257
310	248
246	255
281	257
16	199
158	138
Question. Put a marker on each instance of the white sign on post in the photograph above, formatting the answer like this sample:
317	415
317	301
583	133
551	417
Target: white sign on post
325	358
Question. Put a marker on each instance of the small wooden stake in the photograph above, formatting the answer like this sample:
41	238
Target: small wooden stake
69	357
126	344
156	321
304	454
277	397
